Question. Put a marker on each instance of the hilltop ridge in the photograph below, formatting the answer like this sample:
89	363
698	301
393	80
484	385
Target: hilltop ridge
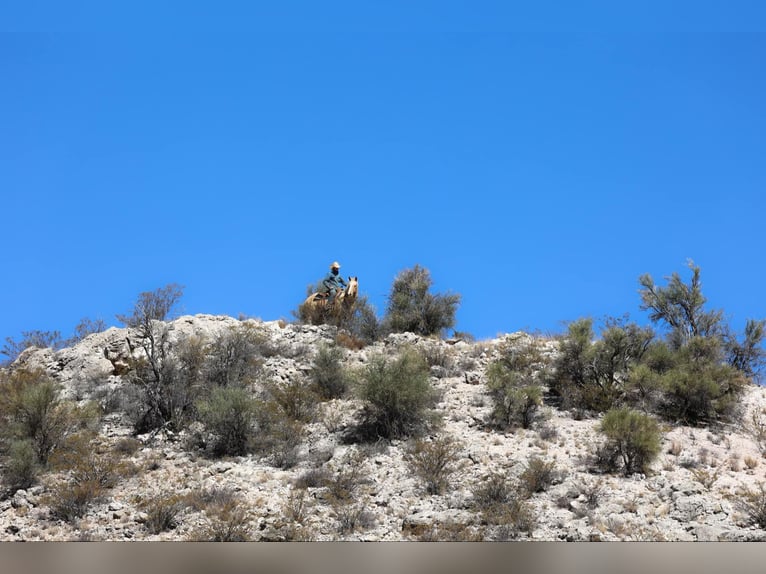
695	490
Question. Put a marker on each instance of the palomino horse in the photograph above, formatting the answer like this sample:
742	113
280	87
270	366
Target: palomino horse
344	300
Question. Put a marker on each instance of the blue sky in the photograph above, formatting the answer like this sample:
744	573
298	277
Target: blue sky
536	161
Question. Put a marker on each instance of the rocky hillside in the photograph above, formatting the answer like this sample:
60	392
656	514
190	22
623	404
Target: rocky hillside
332	488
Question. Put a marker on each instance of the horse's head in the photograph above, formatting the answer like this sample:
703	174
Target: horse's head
352	289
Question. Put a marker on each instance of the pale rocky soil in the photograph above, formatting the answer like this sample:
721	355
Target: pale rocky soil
693	493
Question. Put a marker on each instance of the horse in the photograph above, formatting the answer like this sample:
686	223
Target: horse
344	300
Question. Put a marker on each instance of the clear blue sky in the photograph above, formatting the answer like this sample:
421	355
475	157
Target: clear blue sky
536	161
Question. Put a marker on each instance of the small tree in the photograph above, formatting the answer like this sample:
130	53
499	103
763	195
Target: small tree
412	308
681	307
40	339
85	327
749	355
153	374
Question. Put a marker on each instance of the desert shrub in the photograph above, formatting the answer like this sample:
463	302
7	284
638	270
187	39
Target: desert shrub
436	355
511	382
210	499
700	388
70	500
590	374
31	409
633	440
362	324
296	399
397	393
344	483
233	357
312	478
227	523
228	414
537	476
753	504
162	512
40	339
327	373
152	306
495	489
413	308
352	516
433	462
709	366
643	389
21	466
82	457
503	507
127	446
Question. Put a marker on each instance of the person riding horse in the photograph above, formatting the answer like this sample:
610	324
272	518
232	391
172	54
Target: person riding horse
333	282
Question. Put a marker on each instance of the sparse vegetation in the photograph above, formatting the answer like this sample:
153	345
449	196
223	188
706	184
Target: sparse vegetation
351	427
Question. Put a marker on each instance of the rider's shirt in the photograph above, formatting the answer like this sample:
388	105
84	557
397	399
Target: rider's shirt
333	281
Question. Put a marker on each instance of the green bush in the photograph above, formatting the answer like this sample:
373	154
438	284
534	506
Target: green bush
412	308
397	393
590	374
31	409
327	373
680	306
21	467
229	416
511	381
633	440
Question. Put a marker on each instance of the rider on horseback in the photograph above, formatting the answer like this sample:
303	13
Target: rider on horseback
333	282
